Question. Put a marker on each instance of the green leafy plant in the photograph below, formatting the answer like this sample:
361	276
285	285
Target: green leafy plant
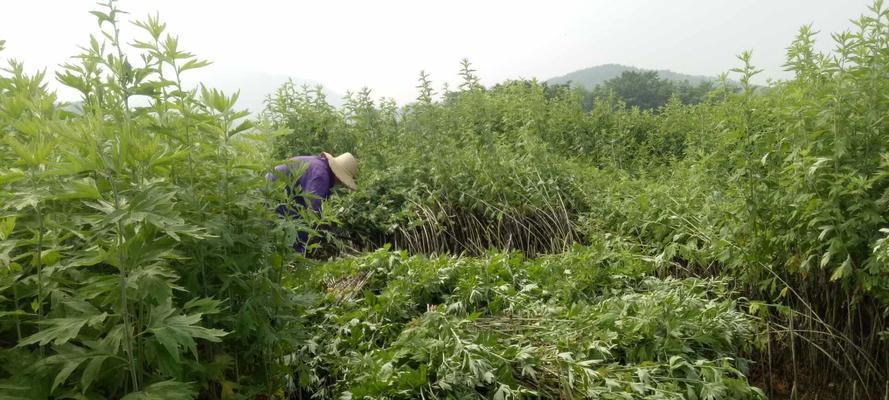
134	244
140	256
588	323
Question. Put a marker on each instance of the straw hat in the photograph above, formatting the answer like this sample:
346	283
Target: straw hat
344	167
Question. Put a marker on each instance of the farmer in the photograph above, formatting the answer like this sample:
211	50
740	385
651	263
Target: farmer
320	174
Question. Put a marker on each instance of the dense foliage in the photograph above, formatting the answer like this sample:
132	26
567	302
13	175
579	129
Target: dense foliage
137	259
647	90
783	188
647	244
590	323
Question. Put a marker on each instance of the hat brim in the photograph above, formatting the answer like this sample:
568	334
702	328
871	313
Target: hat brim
338	170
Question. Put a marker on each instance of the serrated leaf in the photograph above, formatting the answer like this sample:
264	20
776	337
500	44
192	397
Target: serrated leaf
843	270
193	63
66	371
102	17
91	372
242	127
59	331
784	292
825	258
174	331
167	339
6	226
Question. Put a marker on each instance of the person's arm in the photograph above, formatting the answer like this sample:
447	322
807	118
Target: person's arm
282	169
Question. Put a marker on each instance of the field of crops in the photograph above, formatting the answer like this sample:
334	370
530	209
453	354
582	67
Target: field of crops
590	323
559	244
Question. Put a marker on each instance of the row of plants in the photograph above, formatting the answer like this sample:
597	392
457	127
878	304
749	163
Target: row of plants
140	256
783	188
589	323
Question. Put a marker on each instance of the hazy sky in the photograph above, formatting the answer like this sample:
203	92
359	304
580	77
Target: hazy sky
384	44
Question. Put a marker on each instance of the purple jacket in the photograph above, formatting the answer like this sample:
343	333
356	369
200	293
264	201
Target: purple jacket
317	180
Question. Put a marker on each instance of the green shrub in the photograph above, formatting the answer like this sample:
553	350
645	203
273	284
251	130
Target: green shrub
136	256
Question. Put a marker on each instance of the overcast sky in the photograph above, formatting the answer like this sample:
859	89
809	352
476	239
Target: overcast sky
384	44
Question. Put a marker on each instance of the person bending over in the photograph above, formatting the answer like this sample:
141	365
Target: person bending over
319	176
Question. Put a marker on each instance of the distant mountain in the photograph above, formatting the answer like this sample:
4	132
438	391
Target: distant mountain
594	76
